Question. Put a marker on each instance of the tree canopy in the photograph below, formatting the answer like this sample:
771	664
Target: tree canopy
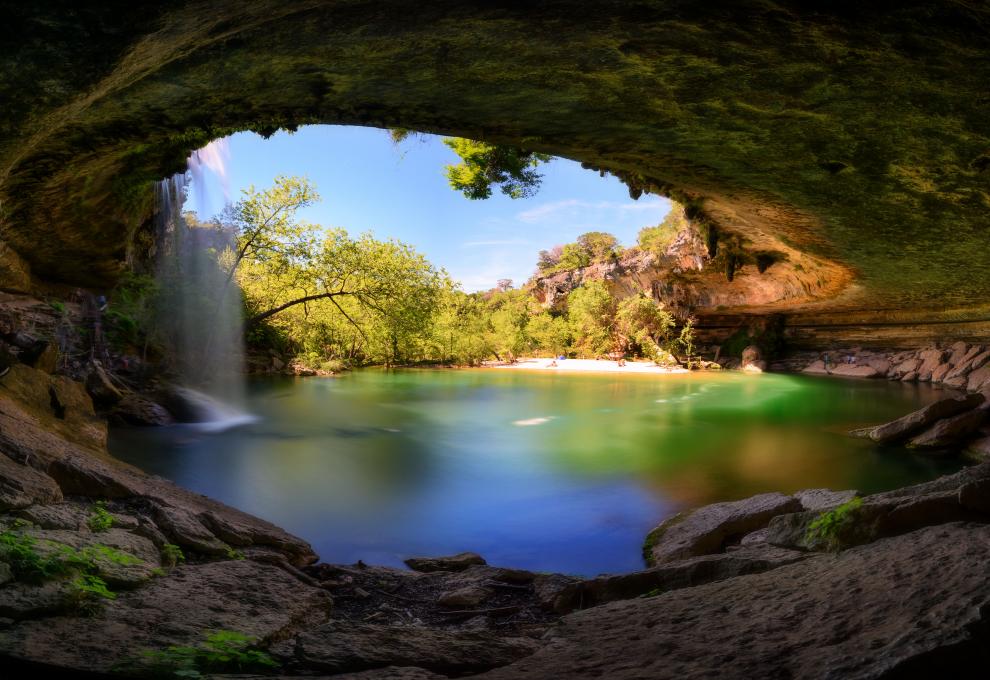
484	165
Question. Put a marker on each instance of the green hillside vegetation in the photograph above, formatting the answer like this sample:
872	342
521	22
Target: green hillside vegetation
335	300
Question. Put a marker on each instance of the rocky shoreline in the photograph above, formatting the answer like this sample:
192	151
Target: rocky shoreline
897	585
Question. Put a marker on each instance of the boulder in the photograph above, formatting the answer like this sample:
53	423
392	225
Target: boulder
824	499
815	368
15	273
881	365
21	486
706	530
957	351
458	562
826	617
855	371
468	596
940	371
978	379
755	367
950	431
751	559
877	517
910	377
915	422
979	449
137	410
342	646
905	367
68	515
962	366
930	360
100	387
180	608
185	529
958	382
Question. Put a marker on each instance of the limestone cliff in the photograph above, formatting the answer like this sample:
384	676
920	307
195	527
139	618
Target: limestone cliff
854	134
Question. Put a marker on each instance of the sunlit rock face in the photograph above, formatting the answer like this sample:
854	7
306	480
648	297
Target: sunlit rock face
857	137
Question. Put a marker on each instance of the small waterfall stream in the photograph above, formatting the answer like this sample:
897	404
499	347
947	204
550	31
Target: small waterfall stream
202	310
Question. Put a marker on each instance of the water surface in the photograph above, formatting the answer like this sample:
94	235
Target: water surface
551	472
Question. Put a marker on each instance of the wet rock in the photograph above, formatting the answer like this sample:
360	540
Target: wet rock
5	573
979	449
134	409
958	351
939	373
706	530
823	499
100	387
959	382
877	517
854	371
930	360
185	529
915	422
341	646
823	618
469	596
976	496
755	367
26	600
548	588
22	486
35	406
910	377
458	562
950	431
117	573
47	359
15	273
751	559
978	379
388	673
907	366
180	608
815	368
70	516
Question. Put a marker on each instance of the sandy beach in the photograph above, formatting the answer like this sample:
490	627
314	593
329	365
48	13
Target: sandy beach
587	366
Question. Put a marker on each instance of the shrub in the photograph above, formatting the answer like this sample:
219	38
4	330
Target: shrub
99	518
172	555
223	651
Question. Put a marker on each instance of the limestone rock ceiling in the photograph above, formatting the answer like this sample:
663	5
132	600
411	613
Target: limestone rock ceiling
857	135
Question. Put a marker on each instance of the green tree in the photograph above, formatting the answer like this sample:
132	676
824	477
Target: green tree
591	311
644	325
549	334
657	239
572	256
484	165
598	245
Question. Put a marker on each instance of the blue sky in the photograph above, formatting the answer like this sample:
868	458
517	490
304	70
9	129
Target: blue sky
367	183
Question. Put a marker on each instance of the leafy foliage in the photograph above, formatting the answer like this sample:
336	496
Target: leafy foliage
483	165
829	527
593	246
99	518
172	555
223	651
657	239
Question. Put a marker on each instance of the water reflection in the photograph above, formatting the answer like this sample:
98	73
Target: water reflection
547	472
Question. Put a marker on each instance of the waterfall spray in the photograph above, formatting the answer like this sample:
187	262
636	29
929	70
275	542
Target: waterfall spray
202	310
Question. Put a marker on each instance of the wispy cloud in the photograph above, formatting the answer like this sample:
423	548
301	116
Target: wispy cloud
571	206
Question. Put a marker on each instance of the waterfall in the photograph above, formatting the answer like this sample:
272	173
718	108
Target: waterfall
200	311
